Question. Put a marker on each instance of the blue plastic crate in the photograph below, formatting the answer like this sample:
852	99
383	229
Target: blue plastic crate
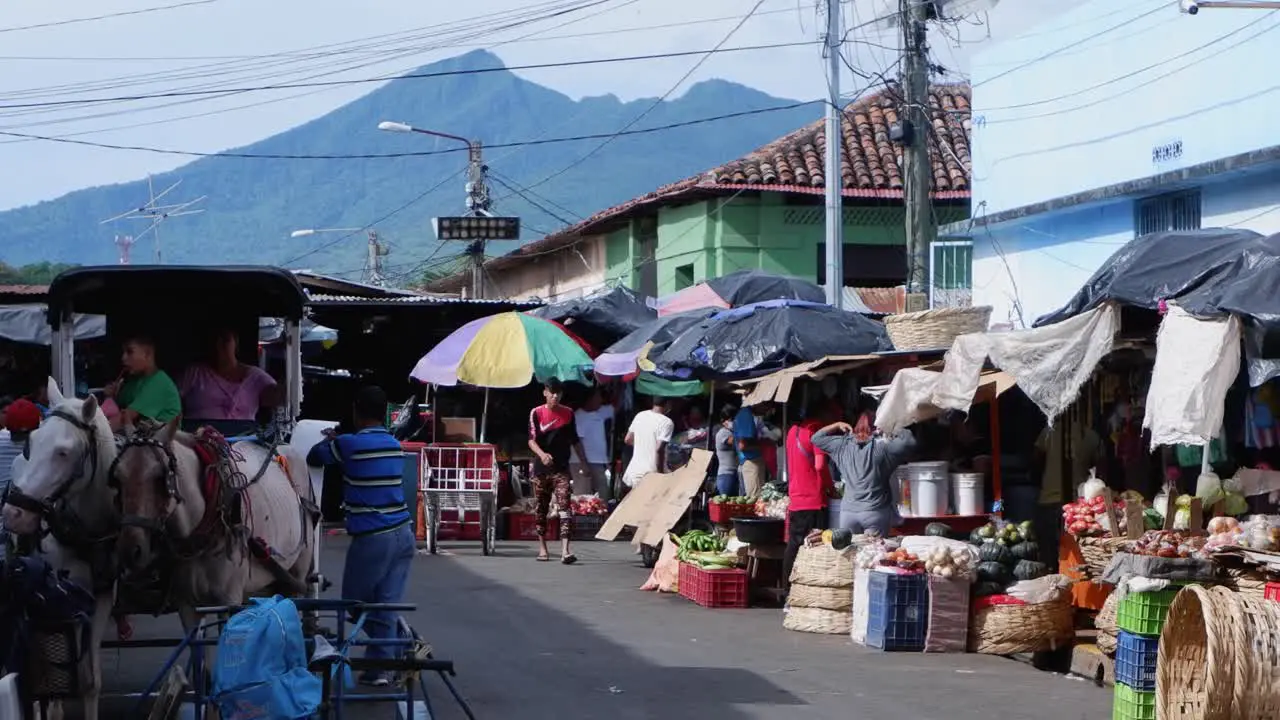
897	611
1136	661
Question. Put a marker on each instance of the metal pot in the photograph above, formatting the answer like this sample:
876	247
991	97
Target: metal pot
759	531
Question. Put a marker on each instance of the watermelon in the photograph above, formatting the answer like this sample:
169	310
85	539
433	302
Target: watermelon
993	572
1030	570
1026	550
937	530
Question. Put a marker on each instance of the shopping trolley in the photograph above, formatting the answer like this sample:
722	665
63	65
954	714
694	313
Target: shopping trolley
461	478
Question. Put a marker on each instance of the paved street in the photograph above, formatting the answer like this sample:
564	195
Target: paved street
536	640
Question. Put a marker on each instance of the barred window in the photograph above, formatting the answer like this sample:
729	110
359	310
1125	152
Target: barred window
1171	211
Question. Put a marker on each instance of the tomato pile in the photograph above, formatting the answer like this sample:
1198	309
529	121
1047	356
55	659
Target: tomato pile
1085	517
589	505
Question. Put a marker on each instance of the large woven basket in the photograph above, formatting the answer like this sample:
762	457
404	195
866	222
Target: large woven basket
1011	629
1097	553
818	620
1248	582
1105	622
1196	670
815	596
823	566
935	329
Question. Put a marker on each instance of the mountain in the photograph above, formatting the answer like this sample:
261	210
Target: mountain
253	204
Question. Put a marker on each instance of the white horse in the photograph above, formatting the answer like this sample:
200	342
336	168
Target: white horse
64	501
210	538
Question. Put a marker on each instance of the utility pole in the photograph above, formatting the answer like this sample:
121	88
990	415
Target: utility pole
834	174
373	268
477	206
917	170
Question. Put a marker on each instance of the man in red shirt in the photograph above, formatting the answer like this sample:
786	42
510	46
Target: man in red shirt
553	437
808	485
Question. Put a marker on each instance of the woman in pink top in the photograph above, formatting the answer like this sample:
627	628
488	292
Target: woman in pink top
226	389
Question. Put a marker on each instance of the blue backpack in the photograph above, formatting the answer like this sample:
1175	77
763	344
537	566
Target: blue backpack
261	669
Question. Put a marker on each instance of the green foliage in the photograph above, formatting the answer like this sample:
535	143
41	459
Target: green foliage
254	204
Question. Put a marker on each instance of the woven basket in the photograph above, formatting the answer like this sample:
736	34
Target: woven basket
1195	673
1248	582
818	620
1097	553
1255	627
823	566
1105	622
826	598
1011	629
935	329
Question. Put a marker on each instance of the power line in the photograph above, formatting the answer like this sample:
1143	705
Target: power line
704	57
526	192
421	153
1051	53
1133	73
72	21
409	76
530	200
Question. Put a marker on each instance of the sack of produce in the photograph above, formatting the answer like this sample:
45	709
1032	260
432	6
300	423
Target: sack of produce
948	615
823	566
666	572
816	596
817	620
861	606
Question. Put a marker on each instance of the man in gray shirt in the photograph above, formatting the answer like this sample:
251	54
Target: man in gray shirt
726	454
866	464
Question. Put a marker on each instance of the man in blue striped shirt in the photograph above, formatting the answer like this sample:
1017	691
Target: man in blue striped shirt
377	519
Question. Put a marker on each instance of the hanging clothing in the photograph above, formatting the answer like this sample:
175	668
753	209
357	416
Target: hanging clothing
1260	420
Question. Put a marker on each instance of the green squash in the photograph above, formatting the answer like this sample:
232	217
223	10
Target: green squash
993	572
976	537
983	589
841	539
995	552
1026	550
1030	570
937	529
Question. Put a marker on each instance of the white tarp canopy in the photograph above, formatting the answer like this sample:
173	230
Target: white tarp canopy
1049	363
30	324
1197	360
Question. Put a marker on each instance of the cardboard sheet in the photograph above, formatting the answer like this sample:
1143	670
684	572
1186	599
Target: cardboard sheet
658	503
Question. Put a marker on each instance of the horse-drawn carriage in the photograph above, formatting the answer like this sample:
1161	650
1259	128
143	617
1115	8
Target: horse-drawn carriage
157	519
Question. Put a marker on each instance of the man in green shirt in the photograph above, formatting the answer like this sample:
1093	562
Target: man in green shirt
146	391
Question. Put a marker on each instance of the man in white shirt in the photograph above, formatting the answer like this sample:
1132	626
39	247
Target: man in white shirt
589	477
648	436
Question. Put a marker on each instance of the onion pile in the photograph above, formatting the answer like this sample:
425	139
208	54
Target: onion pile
949	562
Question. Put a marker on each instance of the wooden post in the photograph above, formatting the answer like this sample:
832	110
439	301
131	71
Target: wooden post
1109	514
1134	523
996	489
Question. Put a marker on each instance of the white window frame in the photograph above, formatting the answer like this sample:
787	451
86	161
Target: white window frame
933	265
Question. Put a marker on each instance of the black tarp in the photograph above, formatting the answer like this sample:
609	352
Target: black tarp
768	336
619	359
745	287
603	317
1208	272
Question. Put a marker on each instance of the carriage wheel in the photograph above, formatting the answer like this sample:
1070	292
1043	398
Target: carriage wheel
488	526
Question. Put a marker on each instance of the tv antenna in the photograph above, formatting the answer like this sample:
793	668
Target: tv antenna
124	243
156	214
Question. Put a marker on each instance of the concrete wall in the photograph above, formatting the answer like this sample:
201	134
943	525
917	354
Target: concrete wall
1084	100
567	273
1043	261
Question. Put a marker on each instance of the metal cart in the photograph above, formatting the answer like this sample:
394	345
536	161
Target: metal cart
462	478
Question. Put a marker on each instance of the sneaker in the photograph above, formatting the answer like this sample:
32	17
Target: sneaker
374	679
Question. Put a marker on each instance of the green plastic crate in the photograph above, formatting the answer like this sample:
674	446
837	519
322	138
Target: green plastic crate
1143	613
1130	704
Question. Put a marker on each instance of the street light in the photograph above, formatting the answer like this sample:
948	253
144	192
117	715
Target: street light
312	231
373	267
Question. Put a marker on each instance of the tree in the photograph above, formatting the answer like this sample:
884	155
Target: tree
41	273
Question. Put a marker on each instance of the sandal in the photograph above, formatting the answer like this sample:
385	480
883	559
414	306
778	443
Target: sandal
543	558
569	559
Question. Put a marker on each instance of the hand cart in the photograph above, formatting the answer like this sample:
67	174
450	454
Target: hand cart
462	478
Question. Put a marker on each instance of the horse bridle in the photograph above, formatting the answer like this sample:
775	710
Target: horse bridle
147	440
46	508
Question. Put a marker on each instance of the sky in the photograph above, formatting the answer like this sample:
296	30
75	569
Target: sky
65	52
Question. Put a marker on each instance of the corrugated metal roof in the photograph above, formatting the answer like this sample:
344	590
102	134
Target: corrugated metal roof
418	300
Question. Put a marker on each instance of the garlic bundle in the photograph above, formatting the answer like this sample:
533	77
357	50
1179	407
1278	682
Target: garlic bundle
950	563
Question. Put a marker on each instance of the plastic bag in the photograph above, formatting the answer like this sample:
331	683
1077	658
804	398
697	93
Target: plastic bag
1209	488
1236	504
1092	487
666	572
1041	590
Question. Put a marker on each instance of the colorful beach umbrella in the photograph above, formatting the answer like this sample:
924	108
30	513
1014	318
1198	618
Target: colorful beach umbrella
508	350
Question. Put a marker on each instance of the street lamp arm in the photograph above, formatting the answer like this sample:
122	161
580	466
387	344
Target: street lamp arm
390	126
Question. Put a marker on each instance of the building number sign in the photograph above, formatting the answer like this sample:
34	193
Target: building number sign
1166	152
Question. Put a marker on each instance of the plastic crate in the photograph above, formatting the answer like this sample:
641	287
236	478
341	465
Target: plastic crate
897	611
714	588
1271	591
523	526
724	513
1136	661
1143	613
585	527
1130	704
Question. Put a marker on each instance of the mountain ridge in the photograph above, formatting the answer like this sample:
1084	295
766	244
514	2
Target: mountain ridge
253	204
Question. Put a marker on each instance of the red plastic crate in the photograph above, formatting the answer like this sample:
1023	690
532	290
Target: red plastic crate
714	588
523	526
724	513
1272	591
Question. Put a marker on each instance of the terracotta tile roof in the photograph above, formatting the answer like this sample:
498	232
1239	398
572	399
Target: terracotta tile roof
883	301
24	289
